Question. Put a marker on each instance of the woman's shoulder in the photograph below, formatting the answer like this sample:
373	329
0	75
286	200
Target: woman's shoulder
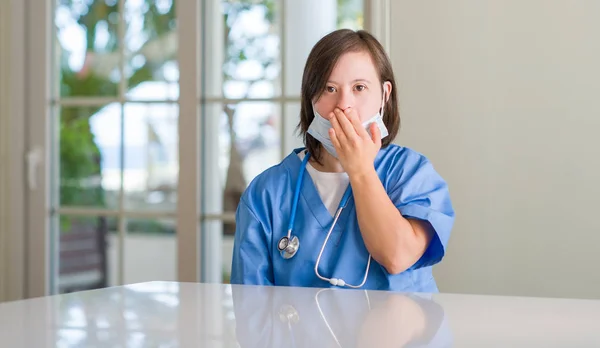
273	180
400	158
400	166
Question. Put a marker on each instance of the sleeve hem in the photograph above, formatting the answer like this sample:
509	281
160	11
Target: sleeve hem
438	222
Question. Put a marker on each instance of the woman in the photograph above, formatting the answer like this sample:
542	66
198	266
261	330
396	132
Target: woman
350	209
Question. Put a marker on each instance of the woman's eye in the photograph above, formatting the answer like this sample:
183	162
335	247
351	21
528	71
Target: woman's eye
360	88
330	89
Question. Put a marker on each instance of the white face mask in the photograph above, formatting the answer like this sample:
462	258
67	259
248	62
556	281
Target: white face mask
319	128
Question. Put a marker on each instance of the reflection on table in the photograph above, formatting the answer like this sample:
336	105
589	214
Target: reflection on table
167	314
282	316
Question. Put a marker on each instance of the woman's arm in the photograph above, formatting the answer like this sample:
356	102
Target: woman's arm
251	262
395	242
410	225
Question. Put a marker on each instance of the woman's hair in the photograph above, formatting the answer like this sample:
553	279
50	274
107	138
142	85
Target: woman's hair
319	65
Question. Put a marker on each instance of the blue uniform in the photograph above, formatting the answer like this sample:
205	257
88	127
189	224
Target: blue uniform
265	208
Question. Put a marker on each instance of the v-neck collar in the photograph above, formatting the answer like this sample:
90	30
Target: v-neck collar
310	195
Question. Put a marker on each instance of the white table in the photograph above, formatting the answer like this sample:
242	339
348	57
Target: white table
163	314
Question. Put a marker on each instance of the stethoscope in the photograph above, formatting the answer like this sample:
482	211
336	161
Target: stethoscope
288	245
288	313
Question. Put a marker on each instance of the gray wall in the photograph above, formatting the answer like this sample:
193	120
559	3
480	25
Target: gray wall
504	98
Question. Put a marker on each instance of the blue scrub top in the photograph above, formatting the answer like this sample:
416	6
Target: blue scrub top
264	211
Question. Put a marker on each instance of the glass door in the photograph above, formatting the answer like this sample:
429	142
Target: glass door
113	143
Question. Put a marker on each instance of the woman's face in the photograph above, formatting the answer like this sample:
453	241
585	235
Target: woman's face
354	82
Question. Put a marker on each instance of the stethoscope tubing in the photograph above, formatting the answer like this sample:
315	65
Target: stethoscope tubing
289	251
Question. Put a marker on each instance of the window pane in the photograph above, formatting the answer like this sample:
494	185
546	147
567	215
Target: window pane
302	34
87	44
151	50
243	140
151	165
89	156
252	146
251	50
350	14
88	253
253	130
292	138
150	250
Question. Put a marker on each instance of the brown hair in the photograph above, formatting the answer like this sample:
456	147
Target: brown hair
319	65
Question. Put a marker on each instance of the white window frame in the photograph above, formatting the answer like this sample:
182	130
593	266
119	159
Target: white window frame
188	189
12	149
36	105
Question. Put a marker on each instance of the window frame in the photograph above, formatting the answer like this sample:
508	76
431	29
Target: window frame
12	150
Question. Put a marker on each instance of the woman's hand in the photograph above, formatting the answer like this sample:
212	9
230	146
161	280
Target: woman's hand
356	149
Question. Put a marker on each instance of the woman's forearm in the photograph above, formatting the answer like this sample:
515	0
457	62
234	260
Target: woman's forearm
393	241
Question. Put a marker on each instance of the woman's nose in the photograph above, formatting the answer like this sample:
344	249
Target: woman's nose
345	100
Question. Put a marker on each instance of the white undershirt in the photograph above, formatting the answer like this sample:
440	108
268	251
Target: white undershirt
331	186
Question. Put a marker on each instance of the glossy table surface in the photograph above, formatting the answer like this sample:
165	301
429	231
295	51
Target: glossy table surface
164	314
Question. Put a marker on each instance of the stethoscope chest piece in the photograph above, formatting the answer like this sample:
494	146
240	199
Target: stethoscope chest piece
288	247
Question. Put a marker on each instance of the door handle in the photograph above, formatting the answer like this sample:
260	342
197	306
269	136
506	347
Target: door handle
34	158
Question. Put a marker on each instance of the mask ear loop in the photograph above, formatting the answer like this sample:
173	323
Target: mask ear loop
383	102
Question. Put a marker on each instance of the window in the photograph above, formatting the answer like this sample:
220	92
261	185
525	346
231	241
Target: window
119	75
